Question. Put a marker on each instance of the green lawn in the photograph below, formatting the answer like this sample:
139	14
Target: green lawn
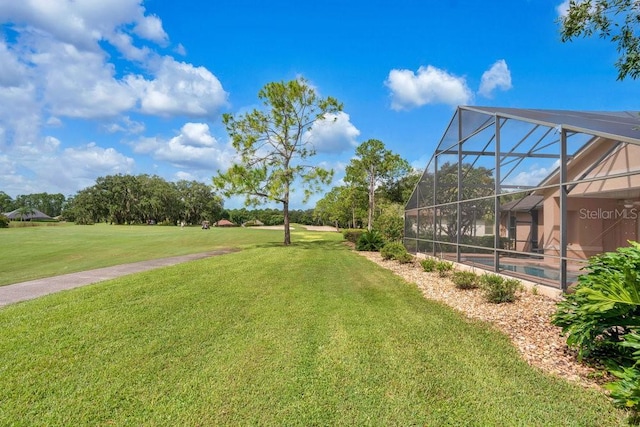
33	252
310	334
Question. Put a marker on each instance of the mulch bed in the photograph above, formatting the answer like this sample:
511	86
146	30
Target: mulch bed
526	321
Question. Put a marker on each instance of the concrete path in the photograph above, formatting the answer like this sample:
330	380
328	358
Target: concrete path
10	294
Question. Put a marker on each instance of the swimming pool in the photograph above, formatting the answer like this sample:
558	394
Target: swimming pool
542	272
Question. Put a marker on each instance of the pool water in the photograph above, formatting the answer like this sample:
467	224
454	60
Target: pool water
549	273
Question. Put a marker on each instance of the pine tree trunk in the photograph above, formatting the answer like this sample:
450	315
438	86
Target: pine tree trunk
372	189
287	231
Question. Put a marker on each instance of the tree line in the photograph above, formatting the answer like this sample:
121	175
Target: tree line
129	199
50	204
378	183
139	199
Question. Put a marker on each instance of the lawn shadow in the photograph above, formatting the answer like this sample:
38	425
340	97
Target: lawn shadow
306	244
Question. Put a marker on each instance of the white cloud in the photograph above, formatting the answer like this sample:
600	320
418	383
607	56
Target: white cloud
83	23
179	88
126	125
12	72
150	28
124	43
78	167
42	166
197	135
180	50
563	9
54	121
193	147
58	50
534	175
429	85
94	158
497	77
79	83
334	134
20	116
185	176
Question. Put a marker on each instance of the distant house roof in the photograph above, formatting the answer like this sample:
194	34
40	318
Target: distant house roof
224	223
33	214
526	204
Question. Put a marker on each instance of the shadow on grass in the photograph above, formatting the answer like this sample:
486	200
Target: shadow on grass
307	245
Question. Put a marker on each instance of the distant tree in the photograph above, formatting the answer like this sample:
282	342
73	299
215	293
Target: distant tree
477	182
374	165
199	202
343	206
25	212
399	190
128	199
83	208
50	204
6	202
273	147
330	210
617	20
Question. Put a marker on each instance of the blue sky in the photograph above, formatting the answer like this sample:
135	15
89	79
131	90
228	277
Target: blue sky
90	89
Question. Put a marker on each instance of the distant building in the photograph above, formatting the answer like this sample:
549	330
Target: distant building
33	214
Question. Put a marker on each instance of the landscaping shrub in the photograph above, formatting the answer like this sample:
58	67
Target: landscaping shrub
601	319
4	221
393	250
405	258
352	234
370	241
497	289
465	279
428	264
443	268
390	223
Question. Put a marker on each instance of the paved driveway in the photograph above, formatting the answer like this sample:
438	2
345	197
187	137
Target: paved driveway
10	294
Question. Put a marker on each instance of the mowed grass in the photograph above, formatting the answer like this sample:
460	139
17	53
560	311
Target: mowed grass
28	253
311	334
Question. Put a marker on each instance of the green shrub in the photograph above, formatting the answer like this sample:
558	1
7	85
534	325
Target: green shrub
497	289
428	264
605	306
443	268
625	392
4	221
393	250
370	241
390	223
405	258
352	234
465	279
601	319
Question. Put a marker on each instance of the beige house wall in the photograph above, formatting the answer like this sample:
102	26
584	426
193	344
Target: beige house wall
523	238
601	215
